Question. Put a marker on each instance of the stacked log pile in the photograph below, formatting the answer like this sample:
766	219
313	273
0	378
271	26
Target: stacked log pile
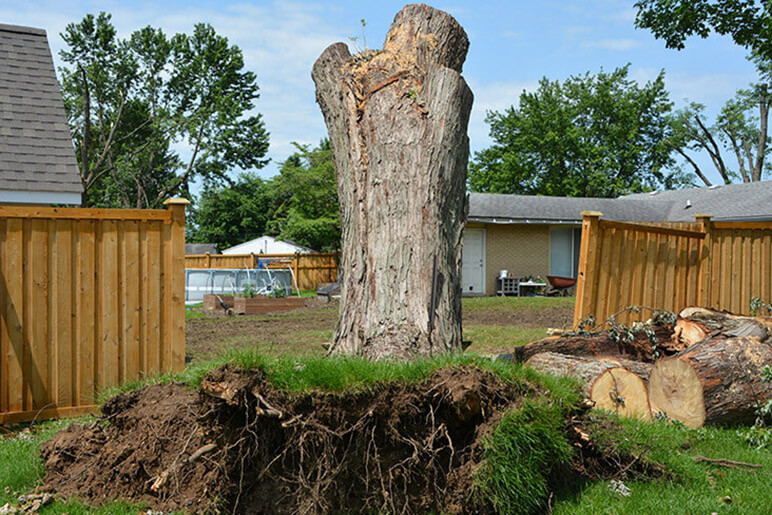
704	369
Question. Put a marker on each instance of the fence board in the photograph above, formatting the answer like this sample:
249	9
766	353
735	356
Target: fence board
86	301
671	266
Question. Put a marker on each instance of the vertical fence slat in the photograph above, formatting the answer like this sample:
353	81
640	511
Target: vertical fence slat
153	334
87	312
588	253
62	336
130	292
177	283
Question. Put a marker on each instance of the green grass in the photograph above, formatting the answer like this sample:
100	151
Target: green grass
698	488
521	452
488	338
21	470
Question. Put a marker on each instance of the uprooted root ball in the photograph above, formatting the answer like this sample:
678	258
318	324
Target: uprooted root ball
240	445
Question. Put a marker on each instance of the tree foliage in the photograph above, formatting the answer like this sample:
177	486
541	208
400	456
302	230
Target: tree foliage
306	199
741	127
132	102
299	204
591	136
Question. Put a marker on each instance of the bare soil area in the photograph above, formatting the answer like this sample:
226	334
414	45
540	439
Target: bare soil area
304	331
242	446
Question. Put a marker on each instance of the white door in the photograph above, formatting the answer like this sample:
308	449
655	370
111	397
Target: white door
473	261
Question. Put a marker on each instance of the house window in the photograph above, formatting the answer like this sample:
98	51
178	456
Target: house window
564	251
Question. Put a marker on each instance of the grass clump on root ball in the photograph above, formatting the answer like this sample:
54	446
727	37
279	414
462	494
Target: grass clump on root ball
521	453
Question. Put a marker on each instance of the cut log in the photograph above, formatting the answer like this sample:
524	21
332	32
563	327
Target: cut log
398	121
715	381
607	383
697	324
600	344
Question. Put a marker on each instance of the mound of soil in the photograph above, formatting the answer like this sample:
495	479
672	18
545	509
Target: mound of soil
239	445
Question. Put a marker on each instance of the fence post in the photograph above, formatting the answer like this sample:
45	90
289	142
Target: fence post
588	255
704	288
177	283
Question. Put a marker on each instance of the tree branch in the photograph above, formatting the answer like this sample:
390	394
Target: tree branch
763	121
737	153
715	154
697	169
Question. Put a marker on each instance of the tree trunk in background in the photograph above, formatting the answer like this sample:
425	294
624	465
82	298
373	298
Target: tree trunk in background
398	120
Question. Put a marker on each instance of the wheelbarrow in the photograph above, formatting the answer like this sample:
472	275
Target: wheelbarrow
559	286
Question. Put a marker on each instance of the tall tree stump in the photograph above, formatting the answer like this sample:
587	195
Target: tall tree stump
397	120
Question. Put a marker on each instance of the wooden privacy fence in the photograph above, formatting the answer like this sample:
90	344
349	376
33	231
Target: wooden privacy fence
89	298
311	270
718	265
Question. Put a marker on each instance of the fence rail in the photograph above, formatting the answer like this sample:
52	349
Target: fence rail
89	298
310	270
719	265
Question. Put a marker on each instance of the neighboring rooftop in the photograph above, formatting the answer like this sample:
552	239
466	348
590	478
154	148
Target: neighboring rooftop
728	202
36	152
733	202
501	208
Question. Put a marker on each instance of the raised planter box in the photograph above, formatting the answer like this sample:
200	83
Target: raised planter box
263	304
211	302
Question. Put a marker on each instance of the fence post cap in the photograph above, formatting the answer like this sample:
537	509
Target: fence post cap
703	215
591	213
176	202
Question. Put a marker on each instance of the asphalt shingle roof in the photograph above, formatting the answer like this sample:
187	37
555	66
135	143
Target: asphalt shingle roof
746	202
36	152
749	201
536	209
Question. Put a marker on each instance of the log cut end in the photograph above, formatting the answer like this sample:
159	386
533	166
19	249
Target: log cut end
622	392
676	390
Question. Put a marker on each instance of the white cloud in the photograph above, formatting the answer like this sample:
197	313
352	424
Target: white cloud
492	96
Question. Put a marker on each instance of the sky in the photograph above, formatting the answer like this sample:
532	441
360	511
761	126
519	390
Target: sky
513	44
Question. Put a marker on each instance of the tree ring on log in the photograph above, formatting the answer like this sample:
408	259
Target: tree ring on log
622	392
676	390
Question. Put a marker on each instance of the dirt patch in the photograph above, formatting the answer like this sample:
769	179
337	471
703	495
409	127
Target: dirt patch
241	446
303	331
385	449
558	317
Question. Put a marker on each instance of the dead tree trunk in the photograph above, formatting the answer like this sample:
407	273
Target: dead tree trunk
610	385
717	381
397	120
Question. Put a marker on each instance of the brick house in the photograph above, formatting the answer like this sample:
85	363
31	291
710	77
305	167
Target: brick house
540	236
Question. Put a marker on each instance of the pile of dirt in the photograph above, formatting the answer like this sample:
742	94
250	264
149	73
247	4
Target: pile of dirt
242	446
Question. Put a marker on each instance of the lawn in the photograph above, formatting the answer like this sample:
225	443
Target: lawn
493	325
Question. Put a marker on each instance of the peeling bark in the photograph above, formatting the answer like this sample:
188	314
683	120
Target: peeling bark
397	120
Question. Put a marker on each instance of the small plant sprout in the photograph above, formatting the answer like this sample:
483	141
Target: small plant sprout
248	290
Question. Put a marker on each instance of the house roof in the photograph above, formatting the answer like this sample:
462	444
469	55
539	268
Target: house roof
501	208
242	247
733	202
201	248
36	151
730	202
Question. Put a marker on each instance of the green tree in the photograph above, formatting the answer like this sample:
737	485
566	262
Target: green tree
231	214
591	136
741	128
129	101
305	196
